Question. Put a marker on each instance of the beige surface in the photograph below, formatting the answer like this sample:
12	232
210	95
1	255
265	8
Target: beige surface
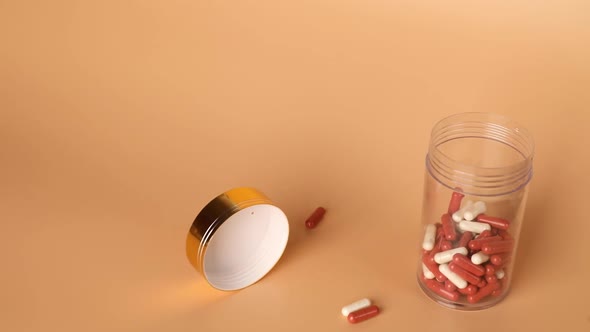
119	120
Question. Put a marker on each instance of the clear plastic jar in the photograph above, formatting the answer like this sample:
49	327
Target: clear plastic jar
478	169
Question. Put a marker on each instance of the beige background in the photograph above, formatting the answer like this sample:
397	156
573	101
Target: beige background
119	120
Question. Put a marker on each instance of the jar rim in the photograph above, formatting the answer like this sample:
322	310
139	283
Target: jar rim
481	180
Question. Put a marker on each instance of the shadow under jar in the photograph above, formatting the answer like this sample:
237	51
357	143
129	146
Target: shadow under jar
478	168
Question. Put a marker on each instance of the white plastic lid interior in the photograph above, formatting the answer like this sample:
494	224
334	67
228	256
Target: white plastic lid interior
246	247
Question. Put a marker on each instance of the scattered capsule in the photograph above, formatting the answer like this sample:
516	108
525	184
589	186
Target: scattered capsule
363	314
357	305
315	218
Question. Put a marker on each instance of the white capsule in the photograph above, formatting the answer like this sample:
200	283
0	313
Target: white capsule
458	216
476	209
473	226
427	273
429	237
500	274
358	305
447	255
479	258
452	276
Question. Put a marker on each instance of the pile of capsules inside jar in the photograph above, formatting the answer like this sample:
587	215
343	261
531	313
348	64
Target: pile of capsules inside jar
466	255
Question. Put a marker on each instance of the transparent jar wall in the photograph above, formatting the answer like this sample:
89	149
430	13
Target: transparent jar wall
483	165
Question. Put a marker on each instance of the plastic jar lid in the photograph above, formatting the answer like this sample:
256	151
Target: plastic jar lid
237	238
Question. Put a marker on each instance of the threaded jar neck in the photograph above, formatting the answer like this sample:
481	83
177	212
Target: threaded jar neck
483	154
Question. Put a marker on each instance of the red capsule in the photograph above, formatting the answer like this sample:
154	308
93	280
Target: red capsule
495	222
439	232
482	284
363	314
484	234
428	260
436	249
500	260
490	269
497	247
477	244
469	290
465	263
446	245
441	290
483	292
504	234
464	240
315	218
450	286
455	203
496	292
491	279
448	226
467	276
